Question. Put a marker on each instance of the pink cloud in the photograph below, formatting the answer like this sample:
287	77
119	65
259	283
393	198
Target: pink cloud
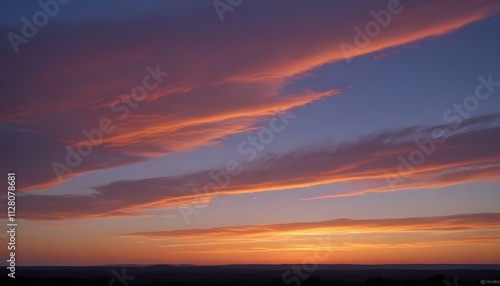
367	162
223	78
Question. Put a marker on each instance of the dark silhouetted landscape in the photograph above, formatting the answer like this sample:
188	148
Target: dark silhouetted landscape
229	275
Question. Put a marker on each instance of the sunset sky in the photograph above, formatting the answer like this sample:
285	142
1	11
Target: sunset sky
195	132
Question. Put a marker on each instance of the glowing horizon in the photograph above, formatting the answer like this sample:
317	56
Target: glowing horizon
169	133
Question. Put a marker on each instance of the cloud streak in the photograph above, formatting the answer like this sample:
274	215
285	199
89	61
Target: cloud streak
364	162
299	240
452	223
210	94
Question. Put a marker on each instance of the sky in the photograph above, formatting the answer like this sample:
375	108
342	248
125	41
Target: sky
248	132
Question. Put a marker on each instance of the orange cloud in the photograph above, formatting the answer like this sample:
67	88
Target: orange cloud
367	162
331	241
224	78
464	222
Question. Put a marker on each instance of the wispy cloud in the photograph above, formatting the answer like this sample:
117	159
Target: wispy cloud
341	226
210	94
345	235
364	162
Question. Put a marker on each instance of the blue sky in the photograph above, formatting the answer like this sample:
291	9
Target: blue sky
229	80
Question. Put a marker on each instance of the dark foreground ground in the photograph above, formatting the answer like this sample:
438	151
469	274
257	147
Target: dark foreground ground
134	275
